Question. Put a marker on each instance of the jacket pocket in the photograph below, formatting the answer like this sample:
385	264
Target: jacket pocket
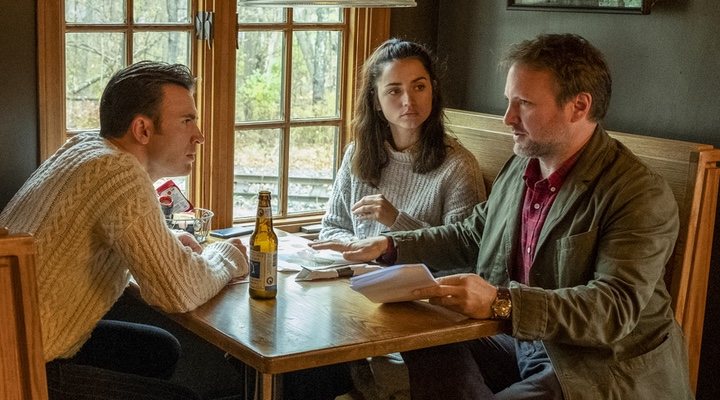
653	375
574	255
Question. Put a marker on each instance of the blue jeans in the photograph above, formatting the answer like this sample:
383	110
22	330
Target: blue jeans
497	367
121	360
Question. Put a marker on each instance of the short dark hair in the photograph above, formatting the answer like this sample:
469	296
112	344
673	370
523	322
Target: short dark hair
138	89
576	64
370	129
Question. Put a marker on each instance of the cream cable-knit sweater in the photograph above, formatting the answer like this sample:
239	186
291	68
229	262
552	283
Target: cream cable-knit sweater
95	217
442	196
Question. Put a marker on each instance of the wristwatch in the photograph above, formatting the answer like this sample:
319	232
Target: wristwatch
502	305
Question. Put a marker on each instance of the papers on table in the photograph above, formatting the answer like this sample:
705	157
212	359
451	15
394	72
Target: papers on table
294	254
345	271
393	284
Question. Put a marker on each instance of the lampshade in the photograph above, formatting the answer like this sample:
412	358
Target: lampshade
328	3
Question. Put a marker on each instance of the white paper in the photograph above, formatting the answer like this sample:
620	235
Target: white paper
295	254
393	284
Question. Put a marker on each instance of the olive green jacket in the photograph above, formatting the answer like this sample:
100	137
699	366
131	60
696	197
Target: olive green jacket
596	298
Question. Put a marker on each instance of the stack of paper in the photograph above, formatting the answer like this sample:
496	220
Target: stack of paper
294	254
393	284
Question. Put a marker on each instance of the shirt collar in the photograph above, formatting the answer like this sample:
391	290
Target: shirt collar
533	175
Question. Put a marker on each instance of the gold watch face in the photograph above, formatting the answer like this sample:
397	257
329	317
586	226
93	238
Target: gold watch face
501	308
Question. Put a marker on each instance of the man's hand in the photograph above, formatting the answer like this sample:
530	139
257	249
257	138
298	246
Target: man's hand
242	269
239	244
467	294
359	251
188	240
376	208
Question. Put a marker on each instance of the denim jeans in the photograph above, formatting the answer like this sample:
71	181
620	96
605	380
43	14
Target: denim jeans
498	367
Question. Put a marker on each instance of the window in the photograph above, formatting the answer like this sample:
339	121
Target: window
287	102
274	89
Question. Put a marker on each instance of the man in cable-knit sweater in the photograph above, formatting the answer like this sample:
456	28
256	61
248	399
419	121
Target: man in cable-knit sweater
96	220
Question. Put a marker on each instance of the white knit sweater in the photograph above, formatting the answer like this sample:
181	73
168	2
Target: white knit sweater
442	196
95	217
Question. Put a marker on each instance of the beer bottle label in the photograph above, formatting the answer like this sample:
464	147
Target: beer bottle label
263	270
264	212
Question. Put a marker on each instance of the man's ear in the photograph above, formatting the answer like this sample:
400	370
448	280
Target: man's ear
141	128
581	106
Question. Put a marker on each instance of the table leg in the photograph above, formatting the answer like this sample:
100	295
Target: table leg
267	387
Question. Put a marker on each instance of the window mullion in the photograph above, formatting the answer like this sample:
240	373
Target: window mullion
367	29
213	174
51	76
129	32
287	100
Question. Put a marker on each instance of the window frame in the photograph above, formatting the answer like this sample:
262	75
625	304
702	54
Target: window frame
211	181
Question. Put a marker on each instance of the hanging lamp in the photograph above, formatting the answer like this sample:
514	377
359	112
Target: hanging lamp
328	3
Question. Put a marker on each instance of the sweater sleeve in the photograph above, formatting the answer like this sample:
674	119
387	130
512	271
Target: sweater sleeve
462	187
170	275
337	224
465	185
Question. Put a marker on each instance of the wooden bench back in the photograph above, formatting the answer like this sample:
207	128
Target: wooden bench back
689	168
21	354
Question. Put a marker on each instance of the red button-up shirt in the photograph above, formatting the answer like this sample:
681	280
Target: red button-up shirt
538	198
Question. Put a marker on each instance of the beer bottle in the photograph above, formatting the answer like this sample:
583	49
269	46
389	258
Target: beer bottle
263	252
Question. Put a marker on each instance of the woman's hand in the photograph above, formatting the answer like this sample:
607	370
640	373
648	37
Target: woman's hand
377	208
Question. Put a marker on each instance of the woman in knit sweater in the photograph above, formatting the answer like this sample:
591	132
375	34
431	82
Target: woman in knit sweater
402	171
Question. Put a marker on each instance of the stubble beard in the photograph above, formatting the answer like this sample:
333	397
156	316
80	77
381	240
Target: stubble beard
555	139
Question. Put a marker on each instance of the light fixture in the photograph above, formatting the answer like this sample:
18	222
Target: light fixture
328	3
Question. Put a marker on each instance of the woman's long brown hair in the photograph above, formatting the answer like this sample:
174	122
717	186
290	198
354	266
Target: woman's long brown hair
371	129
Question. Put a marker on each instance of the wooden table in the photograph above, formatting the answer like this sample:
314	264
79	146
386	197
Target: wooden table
319	323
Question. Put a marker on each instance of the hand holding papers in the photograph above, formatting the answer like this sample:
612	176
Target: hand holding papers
393	284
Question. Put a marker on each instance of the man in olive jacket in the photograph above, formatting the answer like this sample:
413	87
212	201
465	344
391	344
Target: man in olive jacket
576	232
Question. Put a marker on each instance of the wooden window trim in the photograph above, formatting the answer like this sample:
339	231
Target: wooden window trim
213	181
51	66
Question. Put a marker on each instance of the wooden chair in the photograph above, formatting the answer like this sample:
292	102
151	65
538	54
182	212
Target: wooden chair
691	170
22	367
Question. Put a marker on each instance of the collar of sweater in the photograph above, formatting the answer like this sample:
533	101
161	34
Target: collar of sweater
405	156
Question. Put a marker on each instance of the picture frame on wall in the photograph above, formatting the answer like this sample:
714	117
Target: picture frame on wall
603	6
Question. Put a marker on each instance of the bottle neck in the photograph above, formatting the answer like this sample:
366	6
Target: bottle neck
263	221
